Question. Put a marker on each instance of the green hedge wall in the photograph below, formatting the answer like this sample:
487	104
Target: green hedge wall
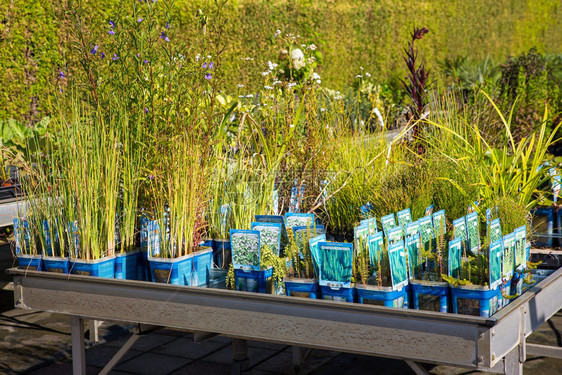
349	33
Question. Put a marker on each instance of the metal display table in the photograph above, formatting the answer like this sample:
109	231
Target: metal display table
494	344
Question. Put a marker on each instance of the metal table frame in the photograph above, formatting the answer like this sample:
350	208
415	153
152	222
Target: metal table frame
495	344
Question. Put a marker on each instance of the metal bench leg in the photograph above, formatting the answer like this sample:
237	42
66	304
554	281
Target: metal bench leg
78	346
240	356
117	357
297	357
512	363
93	326
416	367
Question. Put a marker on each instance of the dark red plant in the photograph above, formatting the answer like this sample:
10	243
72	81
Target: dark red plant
416	82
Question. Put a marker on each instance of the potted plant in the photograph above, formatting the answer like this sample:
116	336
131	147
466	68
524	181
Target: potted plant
336	266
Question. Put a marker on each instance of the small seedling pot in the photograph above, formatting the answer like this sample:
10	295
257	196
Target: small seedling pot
476	300
56	264
127	264
304	288
103	267
342	294
431	295
176	271
201	274
382	296
222	254
30	262
255	281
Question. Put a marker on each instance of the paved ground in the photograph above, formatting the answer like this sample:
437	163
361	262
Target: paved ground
38	343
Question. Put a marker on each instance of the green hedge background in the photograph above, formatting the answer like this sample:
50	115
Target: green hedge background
349	33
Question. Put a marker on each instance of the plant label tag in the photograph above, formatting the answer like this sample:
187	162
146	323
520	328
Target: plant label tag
304	233
153	238
413	258
412	228
296	198
556	183
520	244
426	232
429	210
298	219
508	261
495	231
366	210
375	248
473	229
275	219
395	235
459	231
387	223
439	223
455	256
275	202
245	248
360	234
270	235
336	264
143	233
315	252
398	268
372	223
495	271
404	217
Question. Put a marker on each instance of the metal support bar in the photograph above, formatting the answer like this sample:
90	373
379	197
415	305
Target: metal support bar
117	357
240	356
544	350
78	346
93	326
512	364
298	357
416	367
199	336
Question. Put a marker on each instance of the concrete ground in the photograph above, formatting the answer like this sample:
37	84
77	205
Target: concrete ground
38	343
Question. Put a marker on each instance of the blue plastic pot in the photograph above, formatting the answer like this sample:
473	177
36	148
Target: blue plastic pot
305	288
476	300
103	267
56	264
254	281
126	265
176	271
342	294
222	253
201	274
382	296
30	262
430	295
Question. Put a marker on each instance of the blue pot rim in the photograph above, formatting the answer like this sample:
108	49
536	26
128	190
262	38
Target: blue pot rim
92	261
123	254
55	258
30	256
170	260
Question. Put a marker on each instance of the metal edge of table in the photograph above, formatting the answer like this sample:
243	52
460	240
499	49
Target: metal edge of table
423	336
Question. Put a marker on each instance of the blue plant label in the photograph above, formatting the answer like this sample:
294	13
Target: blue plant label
336	259
366	210
74	235
360	234
21	232
52	243
270	235
296	198
153	238
472	207
508	260
413	254
395	235
245	248
426	232
556	183
439	223
404	217
520	244
495	264
315	252
495	231
455	258
398	268
275	219
429	210
298	219
376	242
488	216
412	228
473	231
459	231
388	222
371	223
143	233
275	201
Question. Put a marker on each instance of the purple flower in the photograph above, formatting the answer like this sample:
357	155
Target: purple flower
164	36
61	74
145	110
111	32
167	39
139	20
102	55
208	76
167	25
145	61
60	90
211	65
204	66
115	57
138	55
94	50
112	24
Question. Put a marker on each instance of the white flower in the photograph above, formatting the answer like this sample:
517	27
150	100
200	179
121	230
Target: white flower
276	82
241	96
303	45
323	109
318	81
361	67
315	76
208	56
277	33
297	57
249	96
367	75
311	47
291	126
197	57
271	65
247	58
265	73
291	84
239	85
358	76
268	87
